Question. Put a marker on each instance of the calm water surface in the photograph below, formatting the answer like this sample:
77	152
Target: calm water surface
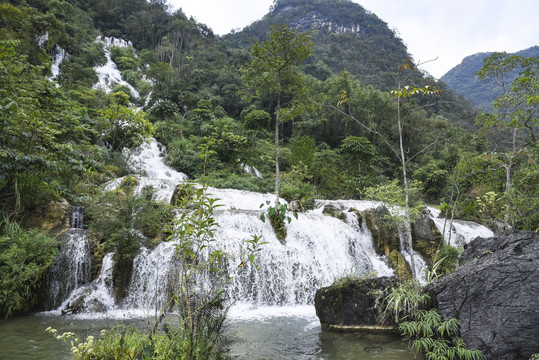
265	333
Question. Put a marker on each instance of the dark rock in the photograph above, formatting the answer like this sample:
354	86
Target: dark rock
353	305
494	294
426	238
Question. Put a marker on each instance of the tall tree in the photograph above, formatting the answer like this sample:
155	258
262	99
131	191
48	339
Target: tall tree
401	93
274	71
514	119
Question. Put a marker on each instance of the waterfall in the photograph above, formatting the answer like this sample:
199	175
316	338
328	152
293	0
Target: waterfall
77	217
458	232
72	267
318	249
109	76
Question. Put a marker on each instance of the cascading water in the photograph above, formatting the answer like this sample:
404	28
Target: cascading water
72	267
108	74
318	249
458	232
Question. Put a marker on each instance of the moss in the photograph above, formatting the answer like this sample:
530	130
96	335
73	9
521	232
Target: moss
332	211
279	227
123	267
400	265
385	236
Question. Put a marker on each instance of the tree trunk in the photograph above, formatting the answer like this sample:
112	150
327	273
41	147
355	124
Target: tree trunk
277	111
408	222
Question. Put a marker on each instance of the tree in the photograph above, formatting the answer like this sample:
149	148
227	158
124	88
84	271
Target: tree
401	94
515	111
123	126
38	132
274	71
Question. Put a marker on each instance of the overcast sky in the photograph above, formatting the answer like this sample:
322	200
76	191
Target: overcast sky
447	29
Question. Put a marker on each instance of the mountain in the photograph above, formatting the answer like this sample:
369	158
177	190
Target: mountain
481	94
345	36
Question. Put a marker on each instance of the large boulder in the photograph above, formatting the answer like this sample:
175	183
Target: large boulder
353	305
495	295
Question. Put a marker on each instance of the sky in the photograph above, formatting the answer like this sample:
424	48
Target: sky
445	30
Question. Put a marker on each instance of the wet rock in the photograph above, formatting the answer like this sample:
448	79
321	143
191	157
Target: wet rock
494	294
385	235
332	211
353	305
400	265
426	238
295	205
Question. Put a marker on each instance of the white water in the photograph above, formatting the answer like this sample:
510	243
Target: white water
318	250
108	75
71	268
58	58
459	232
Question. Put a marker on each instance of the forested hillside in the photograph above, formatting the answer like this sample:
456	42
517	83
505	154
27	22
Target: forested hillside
481	94
354	118
188	83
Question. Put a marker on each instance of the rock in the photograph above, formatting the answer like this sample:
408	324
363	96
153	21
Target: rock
295	205
426	238
495	295
331	210
53	218
385	235
400	265
352	306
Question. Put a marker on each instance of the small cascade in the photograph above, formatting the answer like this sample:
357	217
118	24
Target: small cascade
77	217
458	232
148	161
57	59
95	297
109	76
153	277
72	267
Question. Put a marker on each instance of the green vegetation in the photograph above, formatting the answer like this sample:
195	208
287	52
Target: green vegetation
430	335
25	257
59	138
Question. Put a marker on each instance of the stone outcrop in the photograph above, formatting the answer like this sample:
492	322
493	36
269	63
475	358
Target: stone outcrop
426	238
385	235
352	306
53	218
495	295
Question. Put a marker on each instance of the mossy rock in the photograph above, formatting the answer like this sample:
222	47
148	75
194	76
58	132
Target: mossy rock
426	238
53	218
128	184
385	235
121	275
279	227
182	194
400	265
332	211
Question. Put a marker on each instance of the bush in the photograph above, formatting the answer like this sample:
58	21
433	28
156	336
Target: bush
25	257
447	257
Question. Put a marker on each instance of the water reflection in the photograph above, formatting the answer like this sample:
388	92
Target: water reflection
264	333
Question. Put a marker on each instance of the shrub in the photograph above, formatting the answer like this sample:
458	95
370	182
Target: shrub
25	257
